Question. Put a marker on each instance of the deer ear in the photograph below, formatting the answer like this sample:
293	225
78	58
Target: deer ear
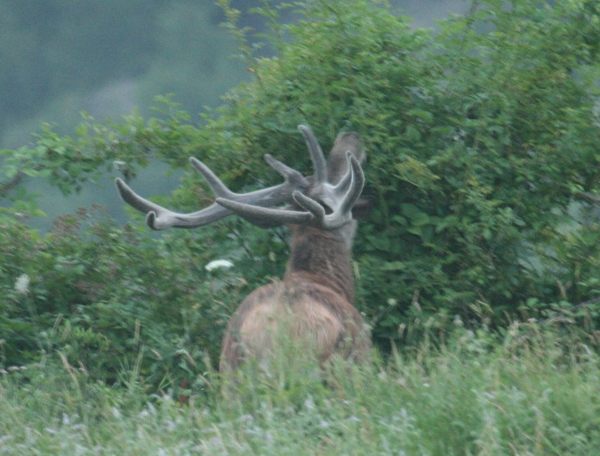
363	207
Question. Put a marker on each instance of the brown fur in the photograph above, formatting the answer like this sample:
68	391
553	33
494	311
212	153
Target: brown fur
312	305
313	302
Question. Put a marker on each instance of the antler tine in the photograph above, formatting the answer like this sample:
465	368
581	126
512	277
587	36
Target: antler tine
294	179
316	154
159	218
263	216
280	193
314	214
256	206
215	183
342	212
133	199
340	189
356	185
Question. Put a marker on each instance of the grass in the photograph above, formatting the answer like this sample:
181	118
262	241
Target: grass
535	390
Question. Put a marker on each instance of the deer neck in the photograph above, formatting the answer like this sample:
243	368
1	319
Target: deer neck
324	256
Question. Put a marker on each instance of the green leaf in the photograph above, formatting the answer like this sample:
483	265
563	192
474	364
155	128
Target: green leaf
412	134
423	115
393	266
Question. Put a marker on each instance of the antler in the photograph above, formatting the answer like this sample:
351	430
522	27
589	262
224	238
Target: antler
339	198
159	218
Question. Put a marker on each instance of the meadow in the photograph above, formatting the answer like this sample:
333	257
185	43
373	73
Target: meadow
532	390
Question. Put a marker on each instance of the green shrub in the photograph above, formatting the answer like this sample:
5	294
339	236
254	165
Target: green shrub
105	295
480	137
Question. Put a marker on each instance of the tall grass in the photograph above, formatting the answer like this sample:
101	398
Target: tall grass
535	390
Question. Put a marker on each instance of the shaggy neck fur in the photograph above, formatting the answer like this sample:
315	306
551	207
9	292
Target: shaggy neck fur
324	256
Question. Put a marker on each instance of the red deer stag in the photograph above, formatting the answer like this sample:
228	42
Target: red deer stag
315	297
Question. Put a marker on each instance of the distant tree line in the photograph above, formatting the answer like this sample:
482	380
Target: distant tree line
55	49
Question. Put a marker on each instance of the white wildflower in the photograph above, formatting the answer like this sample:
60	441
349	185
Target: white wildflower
151	409
218	264
169	425
246	418
4	438
309	404
22	284
216	441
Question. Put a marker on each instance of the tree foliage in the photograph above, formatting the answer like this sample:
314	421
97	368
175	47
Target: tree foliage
483	161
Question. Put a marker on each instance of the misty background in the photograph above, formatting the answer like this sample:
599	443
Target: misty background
108	58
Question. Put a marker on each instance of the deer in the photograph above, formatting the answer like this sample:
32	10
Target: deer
314	300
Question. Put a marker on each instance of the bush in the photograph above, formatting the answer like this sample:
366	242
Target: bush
482	142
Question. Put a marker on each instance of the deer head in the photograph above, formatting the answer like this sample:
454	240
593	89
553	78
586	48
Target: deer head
313	302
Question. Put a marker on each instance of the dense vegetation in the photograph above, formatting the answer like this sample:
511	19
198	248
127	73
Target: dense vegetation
531	392
483	143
